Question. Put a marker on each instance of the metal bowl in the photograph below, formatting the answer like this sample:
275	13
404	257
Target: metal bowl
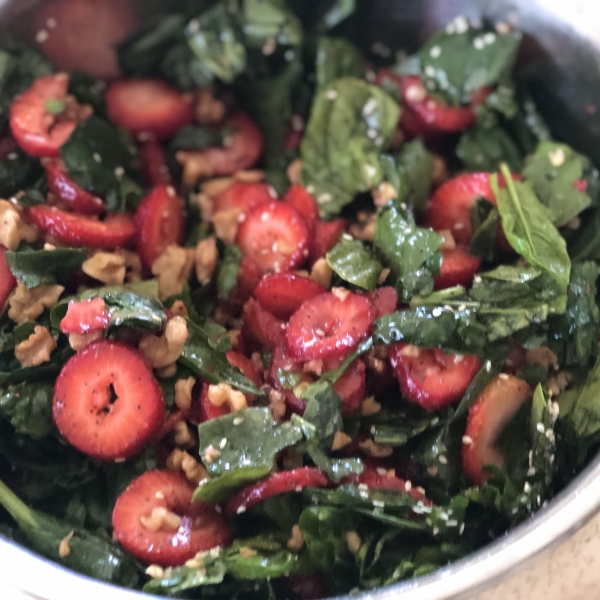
560	58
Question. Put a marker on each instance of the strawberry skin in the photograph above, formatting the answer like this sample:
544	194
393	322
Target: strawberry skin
244	196
200	528
304	203
326	234
153	164
107	402
85	316
7	279
458	268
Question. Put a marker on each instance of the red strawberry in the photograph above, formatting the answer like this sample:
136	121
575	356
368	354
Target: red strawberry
328	326
264	327
7	279
159	222
116	231
85	316
153	159
274	485
304	203
311	586
107	403
136	520
32	126
275	237
375	480
248	278
282	294
491	412
458	268
351	387
78	199
430	377
244	196
325	236
384	300
148	106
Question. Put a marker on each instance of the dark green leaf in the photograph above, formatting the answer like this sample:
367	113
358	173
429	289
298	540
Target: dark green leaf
488	371
266	20
28	407
585	244
414	164
45	267
88	90
227	275
484	221
485	148
220	488
352	262
351	122
336	58
132	310
337	12
194	137
17	172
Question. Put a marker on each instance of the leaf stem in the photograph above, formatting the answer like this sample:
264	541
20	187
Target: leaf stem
20	512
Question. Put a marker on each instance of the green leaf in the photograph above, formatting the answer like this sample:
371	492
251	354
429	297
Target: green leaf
462	59
88	90
351	122
44	267
229	268
414	166
485	148
28	407
246	438
92	555
553	172
529	228
195	137
411	252
339	11
100	160
484	222
265	20
202	357
585	244
542	441
17	172
352	262
336	58
488	371
220	488
397	428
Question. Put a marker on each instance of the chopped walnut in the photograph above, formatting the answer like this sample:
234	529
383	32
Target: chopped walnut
178	309
182	436
36	349
364	229
369	406
173	269
410	350
226	223
250	176
205	258
558	383
205	204
353	541
277	404
195	166
542	356
133	265
28	305
370	448
166	372
321	273
63	548
210	454
234	336
340	440
315	367
246	552
179	460
161	519
375	358
183	392
383	193
223	393
213	187
383	276
440	171
79	341
209	110
13	228
155	571
294	170
165	349
296	540
340	293
107	267
448	242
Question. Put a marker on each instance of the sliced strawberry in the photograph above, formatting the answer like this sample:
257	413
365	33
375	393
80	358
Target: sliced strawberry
311	586
159	222
328	326
326	236
78	199
116	231
7	279
351	387
264	327
153	162
85	316
33	127
304	203
430	377
282	362
376	480
246	366
282	294
137	515
248	278
384	300
458	268
148	106
107	402
244	196
275	237
274	485
171	419
491	412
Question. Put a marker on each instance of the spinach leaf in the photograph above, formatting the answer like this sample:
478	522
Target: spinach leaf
247	438
88	90
352	262
100	160
202	357
18	171
17	374
558	176
265	20
413	167
485	148
220	488
351	122
90	554
44	267
28	407
195	137
227	276
336	58
529	228
585	245
484	222
339	11
411	252
463	58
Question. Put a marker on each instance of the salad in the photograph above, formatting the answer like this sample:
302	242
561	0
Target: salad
283	317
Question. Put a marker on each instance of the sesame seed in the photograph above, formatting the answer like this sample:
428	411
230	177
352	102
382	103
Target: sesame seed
540	427
347	237
371	133
467	440
51	23
430	71
323	198
241	509
435	52
489	38
452	523
477	279
97	157
461	24
331	94
478	43
502	28
41	36
458	358
557	157
437	311
461	528
527	487
503	376
119	172
289	55
370	170
443	460
12	156
462	307
363	486
222	443
238	421
378	503
407	485
435	531
369	107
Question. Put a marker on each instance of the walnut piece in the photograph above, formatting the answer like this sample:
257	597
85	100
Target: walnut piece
183	392
383	193
340	440
277	404
294	170
28	305
107	267
165	349
370	448
179	460
172	269
321	273
542	356
161	519
353	541
36	349
205	259
79	341
133	265
223	393
13	229
226	223
296	540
